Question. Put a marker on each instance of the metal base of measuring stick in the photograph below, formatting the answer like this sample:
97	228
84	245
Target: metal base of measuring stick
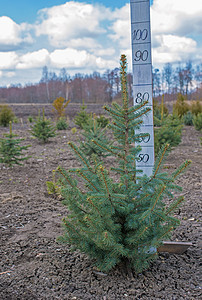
174	247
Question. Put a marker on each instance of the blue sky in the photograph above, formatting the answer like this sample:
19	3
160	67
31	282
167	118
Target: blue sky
86	36
14	8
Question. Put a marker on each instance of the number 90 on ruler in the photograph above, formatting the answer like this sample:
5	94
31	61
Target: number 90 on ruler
141	54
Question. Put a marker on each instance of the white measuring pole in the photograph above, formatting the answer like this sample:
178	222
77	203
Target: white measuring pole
142	78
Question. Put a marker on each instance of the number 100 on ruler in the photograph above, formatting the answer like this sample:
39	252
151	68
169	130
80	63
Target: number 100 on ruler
142	78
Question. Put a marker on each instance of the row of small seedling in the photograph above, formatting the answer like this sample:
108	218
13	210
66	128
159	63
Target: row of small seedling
167	127
43	129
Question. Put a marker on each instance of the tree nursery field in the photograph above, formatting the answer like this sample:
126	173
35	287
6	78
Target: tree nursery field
33	265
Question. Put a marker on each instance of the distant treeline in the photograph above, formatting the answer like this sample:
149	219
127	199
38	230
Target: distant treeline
103	88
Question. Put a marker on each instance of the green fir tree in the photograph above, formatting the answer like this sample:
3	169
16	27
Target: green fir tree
43	129
122	218
93	133
82	117
168	132
11	153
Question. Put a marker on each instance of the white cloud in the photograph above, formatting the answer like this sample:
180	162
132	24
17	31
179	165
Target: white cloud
69	57
121	34
83	43
121	26
9	31
173	25
35	59
104	52
176	17
12	35
8	60
173	49
72	20
59	58
7	74
77	59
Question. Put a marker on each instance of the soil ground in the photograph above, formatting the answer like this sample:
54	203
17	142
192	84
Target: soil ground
34	266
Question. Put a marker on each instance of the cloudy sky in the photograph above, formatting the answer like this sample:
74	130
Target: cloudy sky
89	35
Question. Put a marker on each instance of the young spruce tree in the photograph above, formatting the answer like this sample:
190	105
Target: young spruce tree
43	129
93	133
125	220
11	152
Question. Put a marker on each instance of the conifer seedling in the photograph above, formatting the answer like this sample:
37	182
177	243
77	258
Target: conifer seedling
122	220
43	129
52	186
93	133
169	131
11	152
59	106
82	117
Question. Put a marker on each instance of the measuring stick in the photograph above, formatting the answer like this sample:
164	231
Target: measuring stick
142	78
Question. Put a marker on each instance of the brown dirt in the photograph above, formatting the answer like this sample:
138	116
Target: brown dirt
34	266
32	109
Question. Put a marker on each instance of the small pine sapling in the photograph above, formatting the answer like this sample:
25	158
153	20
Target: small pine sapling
196	107
59	106
160	112
197	121
94	134
74	130
11	153
169	132
188	118
6	115
102	121
53	187
43	129
61	124
123	219
30	119
168	128
82	118
180	108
